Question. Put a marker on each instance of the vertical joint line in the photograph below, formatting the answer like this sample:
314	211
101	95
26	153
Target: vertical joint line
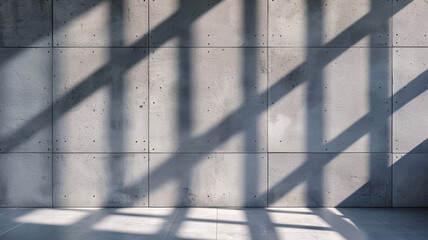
148	103
52	100
267	104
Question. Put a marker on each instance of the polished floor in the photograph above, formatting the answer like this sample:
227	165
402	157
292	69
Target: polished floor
213	223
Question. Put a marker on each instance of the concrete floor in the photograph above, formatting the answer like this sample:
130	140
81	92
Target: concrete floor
213	223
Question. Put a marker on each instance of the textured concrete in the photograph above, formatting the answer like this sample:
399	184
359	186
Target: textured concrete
214	223
196	90
25	180
95	180
411	23
113	118
25	23
177	81
208	180
330	100
25	100
227	23
100	23
315	23
410	125
410	181
330	180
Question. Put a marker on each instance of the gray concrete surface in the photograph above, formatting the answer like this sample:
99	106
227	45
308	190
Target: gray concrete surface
208	180
90	180
25	23
99	23
410	181
213	223
114	117
293	23
186	102
224	25
331	179
410	127
297	103
410	24
26	180
25	100
333	97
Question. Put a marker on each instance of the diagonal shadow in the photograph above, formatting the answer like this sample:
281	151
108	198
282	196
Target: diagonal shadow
232	122
353	133
97	79
361	125
344	228
24	24
78	94
184	112
363	188
278	91
314	94
249	79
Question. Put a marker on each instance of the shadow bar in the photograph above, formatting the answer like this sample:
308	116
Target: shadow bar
357	130
96	81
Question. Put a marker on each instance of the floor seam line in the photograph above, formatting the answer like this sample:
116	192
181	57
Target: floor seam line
173	224
1	234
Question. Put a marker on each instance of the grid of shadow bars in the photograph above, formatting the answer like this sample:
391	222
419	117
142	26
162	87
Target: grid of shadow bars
213	103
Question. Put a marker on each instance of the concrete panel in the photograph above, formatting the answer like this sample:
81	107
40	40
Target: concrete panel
335	23
93	180
100	23
410	97
25	180
330	180
410	180
209	23
335	101
204	100
25	100
208	180
110	113
410	23
25	23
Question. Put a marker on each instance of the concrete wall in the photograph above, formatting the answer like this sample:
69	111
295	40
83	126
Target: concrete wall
213	103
